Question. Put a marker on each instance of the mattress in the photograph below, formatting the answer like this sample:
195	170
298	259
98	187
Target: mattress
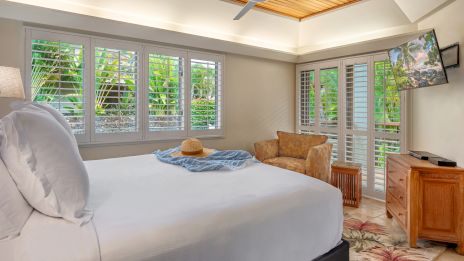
148	210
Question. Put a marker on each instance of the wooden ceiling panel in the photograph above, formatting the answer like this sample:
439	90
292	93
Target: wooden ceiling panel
300	9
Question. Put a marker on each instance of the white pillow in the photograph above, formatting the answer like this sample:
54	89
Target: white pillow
18	105
14	210
45	164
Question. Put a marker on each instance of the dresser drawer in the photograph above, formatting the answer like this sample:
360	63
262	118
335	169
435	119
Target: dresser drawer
397	173
397	210
398	191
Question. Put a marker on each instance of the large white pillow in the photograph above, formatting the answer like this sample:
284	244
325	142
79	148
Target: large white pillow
14	210
45	164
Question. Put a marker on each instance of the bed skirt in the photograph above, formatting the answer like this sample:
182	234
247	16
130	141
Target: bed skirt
339	253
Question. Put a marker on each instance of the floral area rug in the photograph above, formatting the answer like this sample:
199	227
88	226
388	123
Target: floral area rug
382	239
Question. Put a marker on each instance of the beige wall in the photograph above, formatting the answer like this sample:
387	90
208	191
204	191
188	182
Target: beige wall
259	99
11	51
438	112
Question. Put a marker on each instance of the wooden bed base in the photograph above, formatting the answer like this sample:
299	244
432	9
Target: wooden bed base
338	253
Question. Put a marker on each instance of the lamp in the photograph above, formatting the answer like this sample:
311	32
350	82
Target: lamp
11	84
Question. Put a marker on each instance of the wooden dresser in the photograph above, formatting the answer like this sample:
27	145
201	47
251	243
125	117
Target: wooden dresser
426	200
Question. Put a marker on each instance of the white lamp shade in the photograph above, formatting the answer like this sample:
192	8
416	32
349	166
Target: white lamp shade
11	84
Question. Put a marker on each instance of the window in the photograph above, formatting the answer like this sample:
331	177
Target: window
307	98
355	102
318	100
57	68
205	94
166	94
387	116
116	91
116	81
57	79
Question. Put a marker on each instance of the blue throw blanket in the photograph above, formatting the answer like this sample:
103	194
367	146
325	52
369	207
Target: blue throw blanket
226	159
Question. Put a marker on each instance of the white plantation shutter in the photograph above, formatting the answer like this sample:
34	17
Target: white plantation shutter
356	118
206	94
328	95
387	118
113	91
57	76
116	102
329	106
359	110
166	94
307	98
318	102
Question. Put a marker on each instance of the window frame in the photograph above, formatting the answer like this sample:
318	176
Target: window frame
90	42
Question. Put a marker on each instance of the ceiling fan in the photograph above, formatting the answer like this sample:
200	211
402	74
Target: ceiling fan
247	7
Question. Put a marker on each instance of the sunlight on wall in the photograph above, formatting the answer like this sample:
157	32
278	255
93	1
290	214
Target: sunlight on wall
197	22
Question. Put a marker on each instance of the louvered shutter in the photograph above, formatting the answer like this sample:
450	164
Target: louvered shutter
166	94
205	95
328	95
307	98
116	91
356	118
57	75
329	105
387	114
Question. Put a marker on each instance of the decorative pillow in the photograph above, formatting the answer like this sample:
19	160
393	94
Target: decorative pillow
45	164
54	112
14	210
297	145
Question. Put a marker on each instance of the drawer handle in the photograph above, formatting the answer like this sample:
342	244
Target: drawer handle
400	214
401	197
401	180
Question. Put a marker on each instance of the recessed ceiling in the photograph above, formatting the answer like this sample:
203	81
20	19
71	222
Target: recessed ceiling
300	9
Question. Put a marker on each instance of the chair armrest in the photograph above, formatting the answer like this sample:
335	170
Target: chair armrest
318	162
267	149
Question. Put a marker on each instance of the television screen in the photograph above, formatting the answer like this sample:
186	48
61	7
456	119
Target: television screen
418	63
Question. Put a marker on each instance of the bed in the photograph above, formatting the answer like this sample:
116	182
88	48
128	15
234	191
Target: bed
148	210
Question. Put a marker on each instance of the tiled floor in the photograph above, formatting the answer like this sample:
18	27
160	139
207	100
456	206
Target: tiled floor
375	210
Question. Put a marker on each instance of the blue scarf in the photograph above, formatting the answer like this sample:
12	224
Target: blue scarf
218	160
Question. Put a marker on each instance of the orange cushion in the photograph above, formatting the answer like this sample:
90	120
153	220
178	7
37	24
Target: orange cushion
297	145
293	164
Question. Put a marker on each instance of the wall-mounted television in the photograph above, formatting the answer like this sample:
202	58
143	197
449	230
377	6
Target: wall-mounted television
418	63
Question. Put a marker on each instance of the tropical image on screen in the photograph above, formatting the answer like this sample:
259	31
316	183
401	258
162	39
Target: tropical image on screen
418	63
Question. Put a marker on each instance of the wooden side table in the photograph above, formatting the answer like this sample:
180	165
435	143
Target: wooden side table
347	177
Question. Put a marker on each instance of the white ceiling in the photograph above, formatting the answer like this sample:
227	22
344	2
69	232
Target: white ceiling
415	10
365	21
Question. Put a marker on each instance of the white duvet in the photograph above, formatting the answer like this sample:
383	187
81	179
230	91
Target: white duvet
148	210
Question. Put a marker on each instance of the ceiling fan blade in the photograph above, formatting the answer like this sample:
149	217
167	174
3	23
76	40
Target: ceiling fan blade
245	9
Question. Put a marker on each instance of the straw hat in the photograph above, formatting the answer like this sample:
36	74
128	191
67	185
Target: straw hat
192	147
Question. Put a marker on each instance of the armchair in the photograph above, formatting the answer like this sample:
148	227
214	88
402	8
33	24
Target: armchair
306	154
